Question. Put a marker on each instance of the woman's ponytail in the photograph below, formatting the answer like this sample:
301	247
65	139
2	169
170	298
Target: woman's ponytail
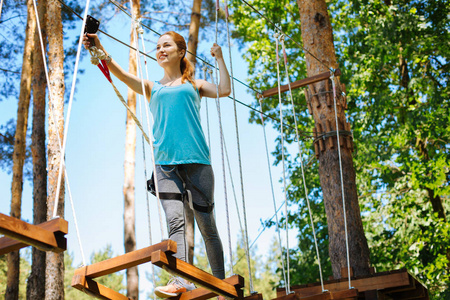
187	69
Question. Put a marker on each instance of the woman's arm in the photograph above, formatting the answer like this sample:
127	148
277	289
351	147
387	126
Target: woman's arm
208	89
132	81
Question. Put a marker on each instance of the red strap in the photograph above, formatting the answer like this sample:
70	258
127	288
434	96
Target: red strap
105	70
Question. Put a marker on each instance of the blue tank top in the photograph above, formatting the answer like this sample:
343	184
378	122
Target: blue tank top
178	134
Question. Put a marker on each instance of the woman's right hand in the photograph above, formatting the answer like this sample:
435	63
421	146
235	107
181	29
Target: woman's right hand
91	39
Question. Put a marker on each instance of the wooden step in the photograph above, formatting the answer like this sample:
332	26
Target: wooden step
199	277
48	236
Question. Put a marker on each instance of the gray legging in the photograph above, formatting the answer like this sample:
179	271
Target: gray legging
198	179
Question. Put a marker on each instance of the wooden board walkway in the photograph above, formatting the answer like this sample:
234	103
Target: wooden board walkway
397	284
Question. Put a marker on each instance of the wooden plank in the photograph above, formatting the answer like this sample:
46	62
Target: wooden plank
300	83
8	244
347	294
376	282
128	260
203	293
195	275
48	236
95	289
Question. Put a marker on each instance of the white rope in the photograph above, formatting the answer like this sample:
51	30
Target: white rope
69	109
56	129
342	180
152	150
273	195
222	145
224	175
138	29
207	111
301	162
288	283
247	250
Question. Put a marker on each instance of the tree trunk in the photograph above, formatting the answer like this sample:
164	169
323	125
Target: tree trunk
129	171
317	37
192	48
54	276
12	288
36	282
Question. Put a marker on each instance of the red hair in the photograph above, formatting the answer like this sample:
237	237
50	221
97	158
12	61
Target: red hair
186	67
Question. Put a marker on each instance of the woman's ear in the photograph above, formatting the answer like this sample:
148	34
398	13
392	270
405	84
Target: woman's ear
181	53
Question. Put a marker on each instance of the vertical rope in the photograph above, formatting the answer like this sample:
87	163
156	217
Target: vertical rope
138	29
288	283
152	150
273	196
207	113
69	109
342	180
222	144
54	123
247	250
301	161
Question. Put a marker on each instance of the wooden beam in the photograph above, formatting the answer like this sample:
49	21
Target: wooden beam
195	275
300	83
95	289
380	281
48	236
8	244
128	260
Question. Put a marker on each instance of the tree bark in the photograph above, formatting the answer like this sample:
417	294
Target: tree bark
129	171
36	282
194	27
54	276
12	287
317	37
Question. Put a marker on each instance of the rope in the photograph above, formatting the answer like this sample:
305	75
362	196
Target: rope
56	129
152	150
292	39
138	29
222	145
273	195
207	111
342	181
276	35
69	109
247	251
301	161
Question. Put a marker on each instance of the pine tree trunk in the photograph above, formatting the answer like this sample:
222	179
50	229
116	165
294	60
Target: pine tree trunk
129	172
54	275
12	288
192	48
36	282
317	37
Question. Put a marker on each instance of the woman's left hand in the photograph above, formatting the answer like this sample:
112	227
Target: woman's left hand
216	51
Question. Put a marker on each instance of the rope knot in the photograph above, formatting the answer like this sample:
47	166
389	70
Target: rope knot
138	26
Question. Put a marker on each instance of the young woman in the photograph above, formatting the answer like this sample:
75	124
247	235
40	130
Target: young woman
183	167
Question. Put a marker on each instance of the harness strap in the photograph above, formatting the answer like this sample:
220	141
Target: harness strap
187	195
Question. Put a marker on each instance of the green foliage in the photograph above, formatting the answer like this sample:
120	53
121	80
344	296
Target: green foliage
114	280
25	270
395	61
265	277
